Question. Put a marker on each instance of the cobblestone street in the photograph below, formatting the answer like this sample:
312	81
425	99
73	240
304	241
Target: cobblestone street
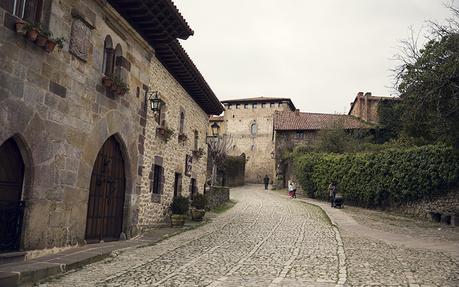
268	240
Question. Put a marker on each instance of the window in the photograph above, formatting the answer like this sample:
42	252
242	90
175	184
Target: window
299	135
253	129
263	105
156	180
118	55
29	10
246	106
279	104
177	184
271	105
160	116
237	106
254	105
229	107
182	122
109	53
196	140
193	188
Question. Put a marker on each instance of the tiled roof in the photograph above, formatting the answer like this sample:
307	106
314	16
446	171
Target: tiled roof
261	100
286	121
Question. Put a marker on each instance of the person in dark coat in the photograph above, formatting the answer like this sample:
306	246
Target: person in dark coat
266	182
332	190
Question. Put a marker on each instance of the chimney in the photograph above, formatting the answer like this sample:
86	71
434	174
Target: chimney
368	94
297	112
360	94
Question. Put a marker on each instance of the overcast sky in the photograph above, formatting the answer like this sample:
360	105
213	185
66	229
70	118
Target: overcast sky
319	53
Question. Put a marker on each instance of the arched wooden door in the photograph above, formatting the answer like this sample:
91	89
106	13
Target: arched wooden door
11	206
106	194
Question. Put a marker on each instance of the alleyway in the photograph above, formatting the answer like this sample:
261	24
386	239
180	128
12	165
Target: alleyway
268	240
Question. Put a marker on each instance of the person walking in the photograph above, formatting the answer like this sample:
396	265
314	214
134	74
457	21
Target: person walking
290	188
332	190
293	189
266	182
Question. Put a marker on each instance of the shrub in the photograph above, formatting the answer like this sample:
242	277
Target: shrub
180	205
199	201
381	179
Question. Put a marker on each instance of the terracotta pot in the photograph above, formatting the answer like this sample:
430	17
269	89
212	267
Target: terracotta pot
50	45
20	28
107	82
32	34
41	40
197	214
177	220
120	91
114	87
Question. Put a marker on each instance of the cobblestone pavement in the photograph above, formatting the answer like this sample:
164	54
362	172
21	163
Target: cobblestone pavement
268	240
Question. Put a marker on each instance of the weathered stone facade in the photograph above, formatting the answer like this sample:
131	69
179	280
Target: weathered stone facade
366	107
216	196
171	155
56	109
249	122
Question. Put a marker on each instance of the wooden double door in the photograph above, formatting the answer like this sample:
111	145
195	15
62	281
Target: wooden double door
106	194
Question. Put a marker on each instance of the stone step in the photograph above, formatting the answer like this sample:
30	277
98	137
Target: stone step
11	257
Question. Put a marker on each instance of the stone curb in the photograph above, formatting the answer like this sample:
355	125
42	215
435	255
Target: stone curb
42	268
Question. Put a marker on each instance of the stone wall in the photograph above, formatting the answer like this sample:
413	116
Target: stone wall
217	195
448	204
259	148
171	155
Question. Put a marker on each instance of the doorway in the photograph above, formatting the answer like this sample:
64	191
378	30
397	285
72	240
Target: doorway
106	194
11	205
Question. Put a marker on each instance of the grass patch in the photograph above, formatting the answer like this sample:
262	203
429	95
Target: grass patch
224	207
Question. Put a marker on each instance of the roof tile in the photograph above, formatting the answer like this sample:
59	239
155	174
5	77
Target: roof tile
314	121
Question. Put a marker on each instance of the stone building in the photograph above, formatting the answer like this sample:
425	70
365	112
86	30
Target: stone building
82	157
249	122
366	107
298	128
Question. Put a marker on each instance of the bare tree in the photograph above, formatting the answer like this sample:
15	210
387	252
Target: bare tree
218	152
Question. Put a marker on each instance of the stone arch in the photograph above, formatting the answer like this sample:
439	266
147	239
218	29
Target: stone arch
112	124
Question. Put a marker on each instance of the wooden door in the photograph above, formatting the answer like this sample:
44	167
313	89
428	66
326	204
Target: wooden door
11	206
106	194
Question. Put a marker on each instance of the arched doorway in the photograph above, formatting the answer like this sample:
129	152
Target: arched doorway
11	206
106	194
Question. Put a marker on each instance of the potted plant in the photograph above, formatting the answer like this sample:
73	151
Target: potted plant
179	208
20	27
42	37
32	31
60	42
122	88
107	81
199	153
182	137
198	207
164	132
53	42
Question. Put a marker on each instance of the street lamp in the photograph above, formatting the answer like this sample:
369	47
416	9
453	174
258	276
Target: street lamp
215	129
154	101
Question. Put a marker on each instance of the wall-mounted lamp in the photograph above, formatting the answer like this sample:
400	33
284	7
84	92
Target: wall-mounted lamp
215	129
155	101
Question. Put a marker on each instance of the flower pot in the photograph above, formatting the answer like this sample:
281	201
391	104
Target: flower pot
197	214
120	91
114	88
177	220
32	34
20	28
107	82
50	45
41	40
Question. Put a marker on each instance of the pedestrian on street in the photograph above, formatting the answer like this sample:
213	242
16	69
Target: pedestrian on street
290	188
332	190
266	182
293	189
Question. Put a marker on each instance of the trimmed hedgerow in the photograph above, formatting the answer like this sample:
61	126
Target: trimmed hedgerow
380	179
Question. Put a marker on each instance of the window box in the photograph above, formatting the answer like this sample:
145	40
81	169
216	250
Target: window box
115	84
164	133
199	153
41	37
182	137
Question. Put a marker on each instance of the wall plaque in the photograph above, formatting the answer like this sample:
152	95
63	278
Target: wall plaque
188	165
79	39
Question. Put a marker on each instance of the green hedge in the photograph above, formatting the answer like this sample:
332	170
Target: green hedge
381	179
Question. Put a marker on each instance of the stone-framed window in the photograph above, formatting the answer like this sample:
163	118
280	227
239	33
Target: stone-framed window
263	105
196	140
177	184
160	116
271	105
157	179
29	10
109	56
299	135
254	105
193	187
253	129
246	106
118	56
238	106
182	122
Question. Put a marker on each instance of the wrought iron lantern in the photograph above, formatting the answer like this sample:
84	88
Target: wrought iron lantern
215	129
155	101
